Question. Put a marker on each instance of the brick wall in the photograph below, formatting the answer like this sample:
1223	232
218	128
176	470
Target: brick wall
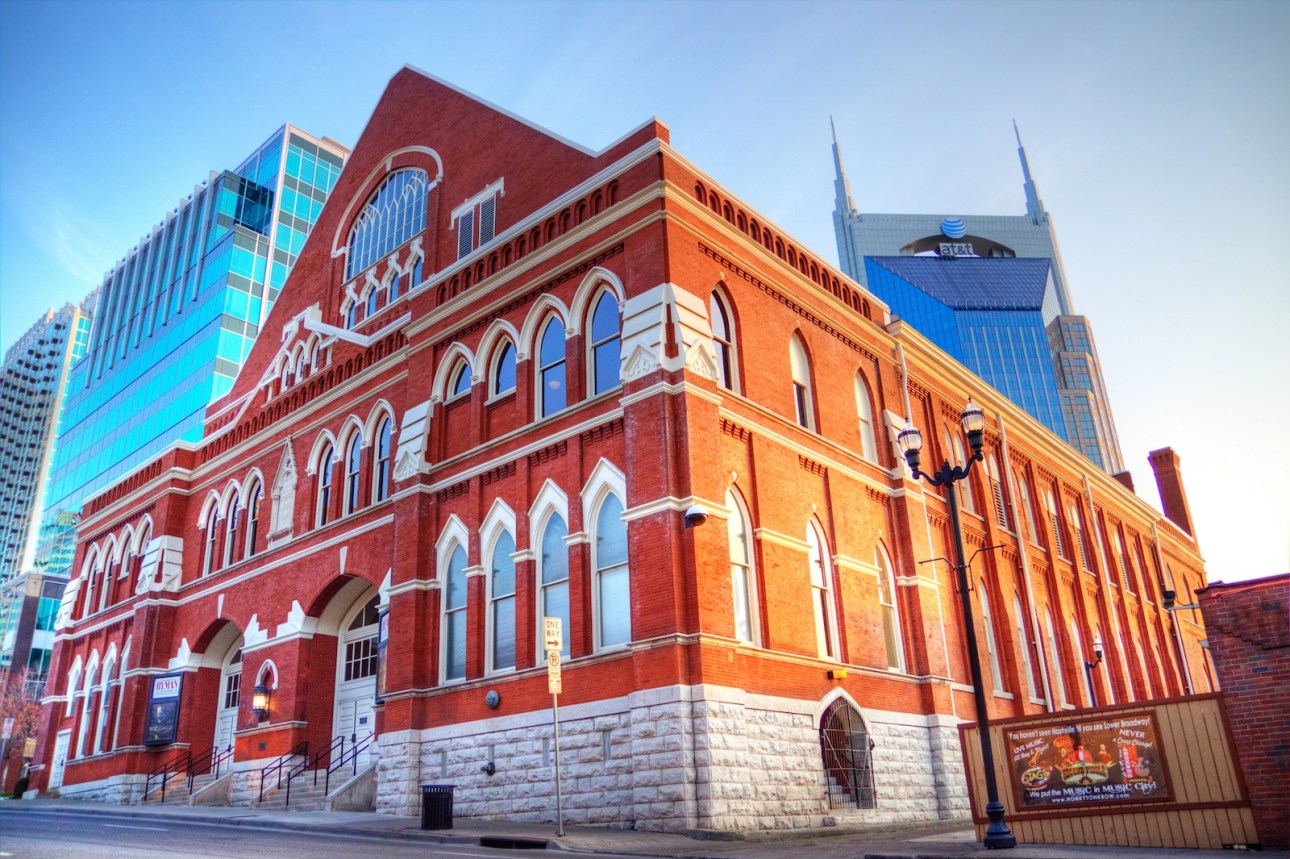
1249	640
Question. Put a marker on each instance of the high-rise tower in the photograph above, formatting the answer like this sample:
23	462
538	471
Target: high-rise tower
1081	391
177	316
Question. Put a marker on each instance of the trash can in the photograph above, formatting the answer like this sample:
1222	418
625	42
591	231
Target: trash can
436	806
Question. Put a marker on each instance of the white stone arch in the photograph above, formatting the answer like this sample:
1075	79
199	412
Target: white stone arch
832	695
550	499
456	353
500	518
323	440
605	479
73	681
86	694
117	544
253	478
546	305
231	489
497	331
369	186
103	574
146	526
313	351
213	500
351	427
381	408
597	280
454	533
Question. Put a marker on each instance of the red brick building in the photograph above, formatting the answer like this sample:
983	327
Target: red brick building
505	377
1248	624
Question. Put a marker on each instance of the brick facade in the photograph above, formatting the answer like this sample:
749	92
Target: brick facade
1249	638
666	727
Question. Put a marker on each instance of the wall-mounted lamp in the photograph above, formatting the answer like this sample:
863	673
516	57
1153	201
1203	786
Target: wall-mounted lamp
260	702
1169	599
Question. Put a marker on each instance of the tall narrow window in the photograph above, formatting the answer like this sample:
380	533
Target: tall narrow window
864	411
991	645
325	467
1058	543
373	301
381	467
1081	657
1078	524
416	273
459	386
890	614
396	286
966	499
723	339
1024	486
353	473
822	603
454	617
232	532
551	388
501	598
742	580
253	497
605	346
803	406
1121	557
996	494
504	370
211	562
1023	642
611	581
351	317
553	572
1055	654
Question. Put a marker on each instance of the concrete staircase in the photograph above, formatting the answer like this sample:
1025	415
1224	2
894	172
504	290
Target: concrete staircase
177	792
305	795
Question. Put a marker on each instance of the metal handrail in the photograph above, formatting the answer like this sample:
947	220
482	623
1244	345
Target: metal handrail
300	748
311	763
214	760
181	762
345	758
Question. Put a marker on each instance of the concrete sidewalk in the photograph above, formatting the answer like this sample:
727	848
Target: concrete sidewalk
949	840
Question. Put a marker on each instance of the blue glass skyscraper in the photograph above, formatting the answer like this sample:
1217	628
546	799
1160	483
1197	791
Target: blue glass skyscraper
176	319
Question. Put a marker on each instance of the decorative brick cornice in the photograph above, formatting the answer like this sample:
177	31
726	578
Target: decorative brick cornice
811	465
735	431
548	453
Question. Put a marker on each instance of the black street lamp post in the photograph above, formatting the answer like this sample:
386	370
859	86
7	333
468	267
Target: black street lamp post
1089	666
910	441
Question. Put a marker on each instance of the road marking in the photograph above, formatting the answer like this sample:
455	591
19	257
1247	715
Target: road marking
123	826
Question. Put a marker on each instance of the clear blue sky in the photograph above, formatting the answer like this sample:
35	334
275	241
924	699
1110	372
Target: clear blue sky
1159	135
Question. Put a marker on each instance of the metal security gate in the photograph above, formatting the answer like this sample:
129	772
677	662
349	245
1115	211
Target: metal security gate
848	758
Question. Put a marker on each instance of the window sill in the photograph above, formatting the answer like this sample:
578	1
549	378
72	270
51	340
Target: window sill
999	693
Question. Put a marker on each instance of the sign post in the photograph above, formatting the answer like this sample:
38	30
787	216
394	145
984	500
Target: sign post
553	637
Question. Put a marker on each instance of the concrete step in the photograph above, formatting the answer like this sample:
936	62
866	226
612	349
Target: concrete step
305	796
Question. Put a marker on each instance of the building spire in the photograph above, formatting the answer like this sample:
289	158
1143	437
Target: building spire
1034	206
842	190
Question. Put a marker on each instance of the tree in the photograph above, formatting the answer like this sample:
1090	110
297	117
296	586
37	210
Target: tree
19	702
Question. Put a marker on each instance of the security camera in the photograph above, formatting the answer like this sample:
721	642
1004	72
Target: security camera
695	515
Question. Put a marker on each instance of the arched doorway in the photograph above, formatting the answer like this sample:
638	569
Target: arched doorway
848	757
230	697
356	674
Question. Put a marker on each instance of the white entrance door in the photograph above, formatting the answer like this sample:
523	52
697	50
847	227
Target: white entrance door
61	742
356	678
230	698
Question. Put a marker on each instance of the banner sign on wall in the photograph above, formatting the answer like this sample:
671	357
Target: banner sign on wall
162	727
1095	761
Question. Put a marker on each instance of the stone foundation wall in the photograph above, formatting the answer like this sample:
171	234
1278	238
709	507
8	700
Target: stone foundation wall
673	759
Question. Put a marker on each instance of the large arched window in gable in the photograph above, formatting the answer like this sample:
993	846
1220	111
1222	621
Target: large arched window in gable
396	213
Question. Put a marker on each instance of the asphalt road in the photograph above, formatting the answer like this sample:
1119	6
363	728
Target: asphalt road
92	836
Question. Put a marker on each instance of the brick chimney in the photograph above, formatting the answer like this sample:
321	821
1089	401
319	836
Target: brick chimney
1173	497
1126	479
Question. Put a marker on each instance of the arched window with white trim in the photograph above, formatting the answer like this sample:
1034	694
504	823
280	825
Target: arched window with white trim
326	467
551	369
890	612
1055	657
1023	642
233	529
611	582
823	605
395	213
1023	485
604	345
553	578
104	704
381	473
864	414
503	375
254	497
723	339
454	616
459	381
800	366
743	580
210	563
353	473
501	603
991	644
